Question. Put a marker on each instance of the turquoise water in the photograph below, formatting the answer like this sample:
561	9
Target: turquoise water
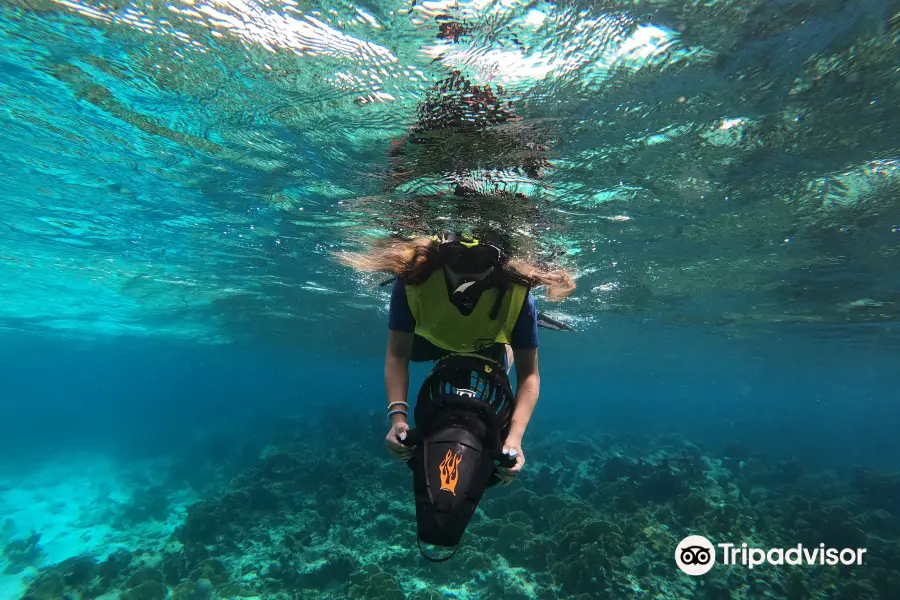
721	178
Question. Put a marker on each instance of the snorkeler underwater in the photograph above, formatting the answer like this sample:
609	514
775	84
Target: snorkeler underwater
438	299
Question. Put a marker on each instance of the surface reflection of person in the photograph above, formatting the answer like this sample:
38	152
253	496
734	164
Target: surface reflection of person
464	127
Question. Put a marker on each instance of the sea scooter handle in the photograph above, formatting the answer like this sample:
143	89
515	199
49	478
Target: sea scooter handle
414	438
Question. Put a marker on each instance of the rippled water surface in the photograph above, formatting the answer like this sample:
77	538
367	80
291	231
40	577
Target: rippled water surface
185	169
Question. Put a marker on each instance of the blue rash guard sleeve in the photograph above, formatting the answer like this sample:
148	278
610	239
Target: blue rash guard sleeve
400	317
525	331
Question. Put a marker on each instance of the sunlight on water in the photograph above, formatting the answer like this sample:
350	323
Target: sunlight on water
185	169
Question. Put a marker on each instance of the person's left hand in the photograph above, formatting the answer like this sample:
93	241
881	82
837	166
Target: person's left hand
512	447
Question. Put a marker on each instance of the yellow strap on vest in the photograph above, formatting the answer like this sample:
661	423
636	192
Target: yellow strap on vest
441	323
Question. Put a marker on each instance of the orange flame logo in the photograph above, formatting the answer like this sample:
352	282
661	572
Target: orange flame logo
450	472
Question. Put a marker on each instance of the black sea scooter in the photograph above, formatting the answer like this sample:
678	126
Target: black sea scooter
462	416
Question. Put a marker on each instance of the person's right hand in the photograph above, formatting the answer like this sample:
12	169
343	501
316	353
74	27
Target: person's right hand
398	432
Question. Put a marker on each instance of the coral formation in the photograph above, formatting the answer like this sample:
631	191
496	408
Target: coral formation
20	554
591	518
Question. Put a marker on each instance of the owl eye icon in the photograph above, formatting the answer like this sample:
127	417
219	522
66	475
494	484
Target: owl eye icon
695	555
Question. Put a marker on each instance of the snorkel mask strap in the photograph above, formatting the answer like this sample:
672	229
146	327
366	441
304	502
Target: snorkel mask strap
466	296
466	255
495	310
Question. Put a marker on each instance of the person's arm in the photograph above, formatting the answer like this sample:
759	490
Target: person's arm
528	389
396	371
402	328
525	341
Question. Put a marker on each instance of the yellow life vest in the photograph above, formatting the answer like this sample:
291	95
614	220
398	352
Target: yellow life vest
441	323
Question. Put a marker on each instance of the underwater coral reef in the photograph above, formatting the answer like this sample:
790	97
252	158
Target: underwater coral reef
286	516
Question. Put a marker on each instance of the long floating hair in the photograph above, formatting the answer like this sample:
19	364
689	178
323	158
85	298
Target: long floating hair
415	260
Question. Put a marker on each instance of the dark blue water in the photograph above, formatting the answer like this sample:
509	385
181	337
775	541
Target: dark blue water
820	401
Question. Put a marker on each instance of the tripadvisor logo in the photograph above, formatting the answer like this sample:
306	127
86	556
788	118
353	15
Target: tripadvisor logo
696	555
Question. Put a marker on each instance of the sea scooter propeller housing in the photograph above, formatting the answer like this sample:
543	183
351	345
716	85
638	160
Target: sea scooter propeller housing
462	416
